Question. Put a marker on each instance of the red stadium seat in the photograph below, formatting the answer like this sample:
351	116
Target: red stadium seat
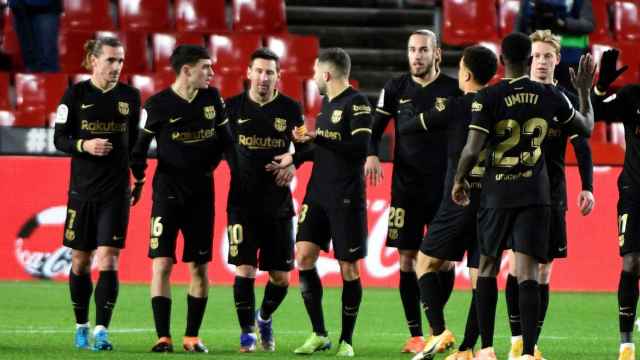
616	134
507	12
38	96
291	85
602	30
297	53
468	21
71	47
11	47
163	44
230	84
144	15
259	16
626	20
86	15
135	45
231	52
5	102
599	133
151	84
200	15
628	56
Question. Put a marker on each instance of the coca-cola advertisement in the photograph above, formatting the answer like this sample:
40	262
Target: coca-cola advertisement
34	194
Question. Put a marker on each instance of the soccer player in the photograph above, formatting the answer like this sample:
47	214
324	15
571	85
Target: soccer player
546	56
260	207
513	118
97	123
334	206
185	120
624	106
453	230
419	166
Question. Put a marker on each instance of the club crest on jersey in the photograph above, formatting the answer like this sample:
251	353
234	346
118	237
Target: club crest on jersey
123	108
280	124
441	103
476	107
153	244
209	112
336	116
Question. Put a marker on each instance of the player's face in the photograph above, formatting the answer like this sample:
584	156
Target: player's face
108	65
263	75
544	61
422	55
319	76
201	74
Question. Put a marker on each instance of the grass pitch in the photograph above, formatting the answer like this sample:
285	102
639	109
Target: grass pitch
36	322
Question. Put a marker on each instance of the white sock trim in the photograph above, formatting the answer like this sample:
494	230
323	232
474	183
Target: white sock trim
99	328
85	325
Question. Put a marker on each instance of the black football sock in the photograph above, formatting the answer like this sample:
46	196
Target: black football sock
195	314
627	304
431	296
410	296
544	305
487	301
311	289
106	296
161	315
447	281
245	300
351	298
471	331
529	300
80	288
273	296
513	305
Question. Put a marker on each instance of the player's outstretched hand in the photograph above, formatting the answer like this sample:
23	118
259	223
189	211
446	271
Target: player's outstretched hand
284	176
136	192
302	135
373	170
460	193
586	202
97	147
608	69
280	162
583	79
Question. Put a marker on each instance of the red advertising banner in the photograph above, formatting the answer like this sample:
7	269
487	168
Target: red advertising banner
34	193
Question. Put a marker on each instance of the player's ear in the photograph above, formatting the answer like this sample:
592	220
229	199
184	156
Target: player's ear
468	76
249	71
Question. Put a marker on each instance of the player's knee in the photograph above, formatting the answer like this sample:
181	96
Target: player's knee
162	267
408	260
488	267
544	273
305	260
349	270
631	263
107	259
446	265
279	278
81	262
247	271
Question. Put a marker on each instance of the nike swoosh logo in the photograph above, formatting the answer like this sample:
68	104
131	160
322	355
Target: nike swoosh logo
404	101
174	119
289	261
242	121
116	238
203	252
86	106
562	248
352	250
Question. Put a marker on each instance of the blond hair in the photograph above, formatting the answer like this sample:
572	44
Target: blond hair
94	47
548	37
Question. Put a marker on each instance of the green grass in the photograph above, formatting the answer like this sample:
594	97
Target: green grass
36	322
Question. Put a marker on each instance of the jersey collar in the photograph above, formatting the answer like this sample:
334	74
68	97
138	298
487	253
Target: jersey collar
512	80
101	89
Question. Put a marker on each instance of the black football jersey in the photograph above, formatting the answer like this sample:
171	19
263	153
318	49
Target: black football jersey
186	132
260	132
87	112
337	177
624	106
417	156
516	114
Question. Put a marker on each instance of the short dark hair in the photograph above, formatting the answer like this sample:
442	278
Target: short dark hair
338	58
94	47
428	33
516	48
481	61
187	55
265	54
